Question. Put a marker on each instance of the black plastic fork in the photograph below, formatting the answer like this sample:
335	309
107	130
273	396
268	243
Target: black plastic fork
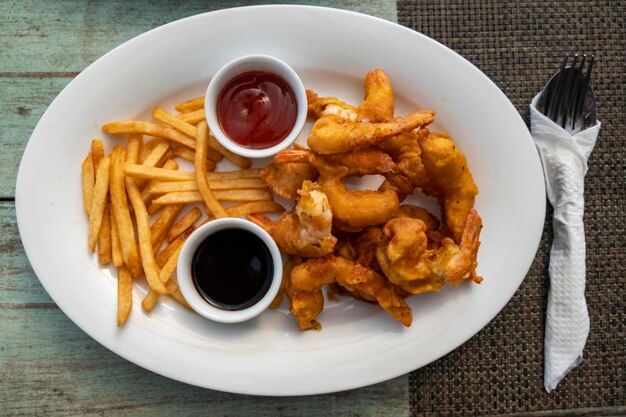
568	99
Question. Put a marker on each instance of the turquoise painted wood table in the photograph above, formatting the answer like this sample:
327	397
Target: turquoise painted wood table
48	366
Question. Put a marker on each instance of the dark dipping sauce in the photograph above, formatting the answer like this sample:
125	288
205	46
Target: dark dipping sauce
232	269
257	109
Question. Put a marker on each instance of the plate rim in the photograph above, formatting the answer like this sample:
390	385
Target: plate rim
111	345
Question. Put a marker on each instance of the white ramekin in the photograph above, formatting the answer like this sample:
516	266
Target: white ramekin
185	278
239	66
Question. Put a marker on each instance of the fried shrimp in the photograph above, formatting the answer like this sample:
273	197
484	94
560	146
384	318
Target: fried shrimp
352	210
333	134
406	153
305	231
369	162
365	245
378	105
433	226
325	106
450	179
304	289
286	179
404	257
416	212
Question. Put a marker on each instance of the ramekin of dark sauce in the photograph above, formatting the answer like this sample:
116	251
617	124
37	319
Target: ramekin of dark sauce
256	106
229	270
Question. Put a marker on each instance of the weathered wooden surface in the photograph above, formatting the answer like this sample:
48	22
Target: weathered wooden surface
48	365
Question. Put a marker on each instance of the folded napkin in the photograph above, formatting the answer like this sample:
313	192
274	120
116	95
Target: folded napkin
564	158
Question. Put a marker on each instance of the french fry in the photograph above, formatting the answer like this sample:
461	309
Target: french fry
149	301
116	249
169	155
154	208
89	180
238	160
146	194
164	275
170	120
97	150
255	207
163	224
157	153
170	266
124	295
212	205
190	105
159	187
186	197
164	255
147	147
104	237
231	175
193	117
119	205
243	196
160	174
135	126
98	204
190	156
150	267
133	150
184	223
174	290
211	153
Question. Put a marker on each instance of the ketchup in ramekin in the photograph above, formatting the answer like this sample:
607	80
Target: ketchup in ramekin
257	109
256	106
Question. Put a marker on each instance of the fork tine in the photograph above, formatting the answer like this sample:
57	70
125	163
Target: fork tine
567	91
578	93
555	89
580	99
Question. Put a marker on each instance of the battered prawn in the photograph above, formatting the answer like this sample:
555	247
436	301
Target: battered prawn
433	226
352	210
378	105
305	231
286	179
405	259
371	161
365	245
324	106
304	289
450	179
406	153
333	134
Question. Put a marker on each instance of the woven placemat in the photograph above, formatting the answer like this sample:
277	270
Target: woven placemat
500	371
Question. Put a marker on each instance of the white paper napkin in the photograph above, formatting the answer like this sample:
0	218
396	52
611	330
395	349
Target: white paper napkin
564	158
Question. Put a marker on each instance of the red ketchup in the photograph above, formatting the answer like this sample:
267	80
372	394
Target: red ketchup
257	109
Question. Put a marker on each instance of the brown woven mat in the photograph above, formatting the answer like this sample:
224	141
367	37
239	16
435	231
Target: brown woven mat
500	371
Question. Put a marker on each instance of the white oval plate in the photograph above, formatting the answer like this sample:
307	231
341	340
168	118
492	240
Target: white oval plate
331	50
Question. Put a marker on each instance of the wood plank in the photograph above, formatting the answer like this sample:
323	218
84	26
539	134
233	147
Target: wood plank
22	102
50	367
69	35
19	286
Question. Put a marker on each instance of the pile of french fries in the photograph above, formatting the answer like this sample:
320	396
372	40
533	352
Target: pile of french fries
145	237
